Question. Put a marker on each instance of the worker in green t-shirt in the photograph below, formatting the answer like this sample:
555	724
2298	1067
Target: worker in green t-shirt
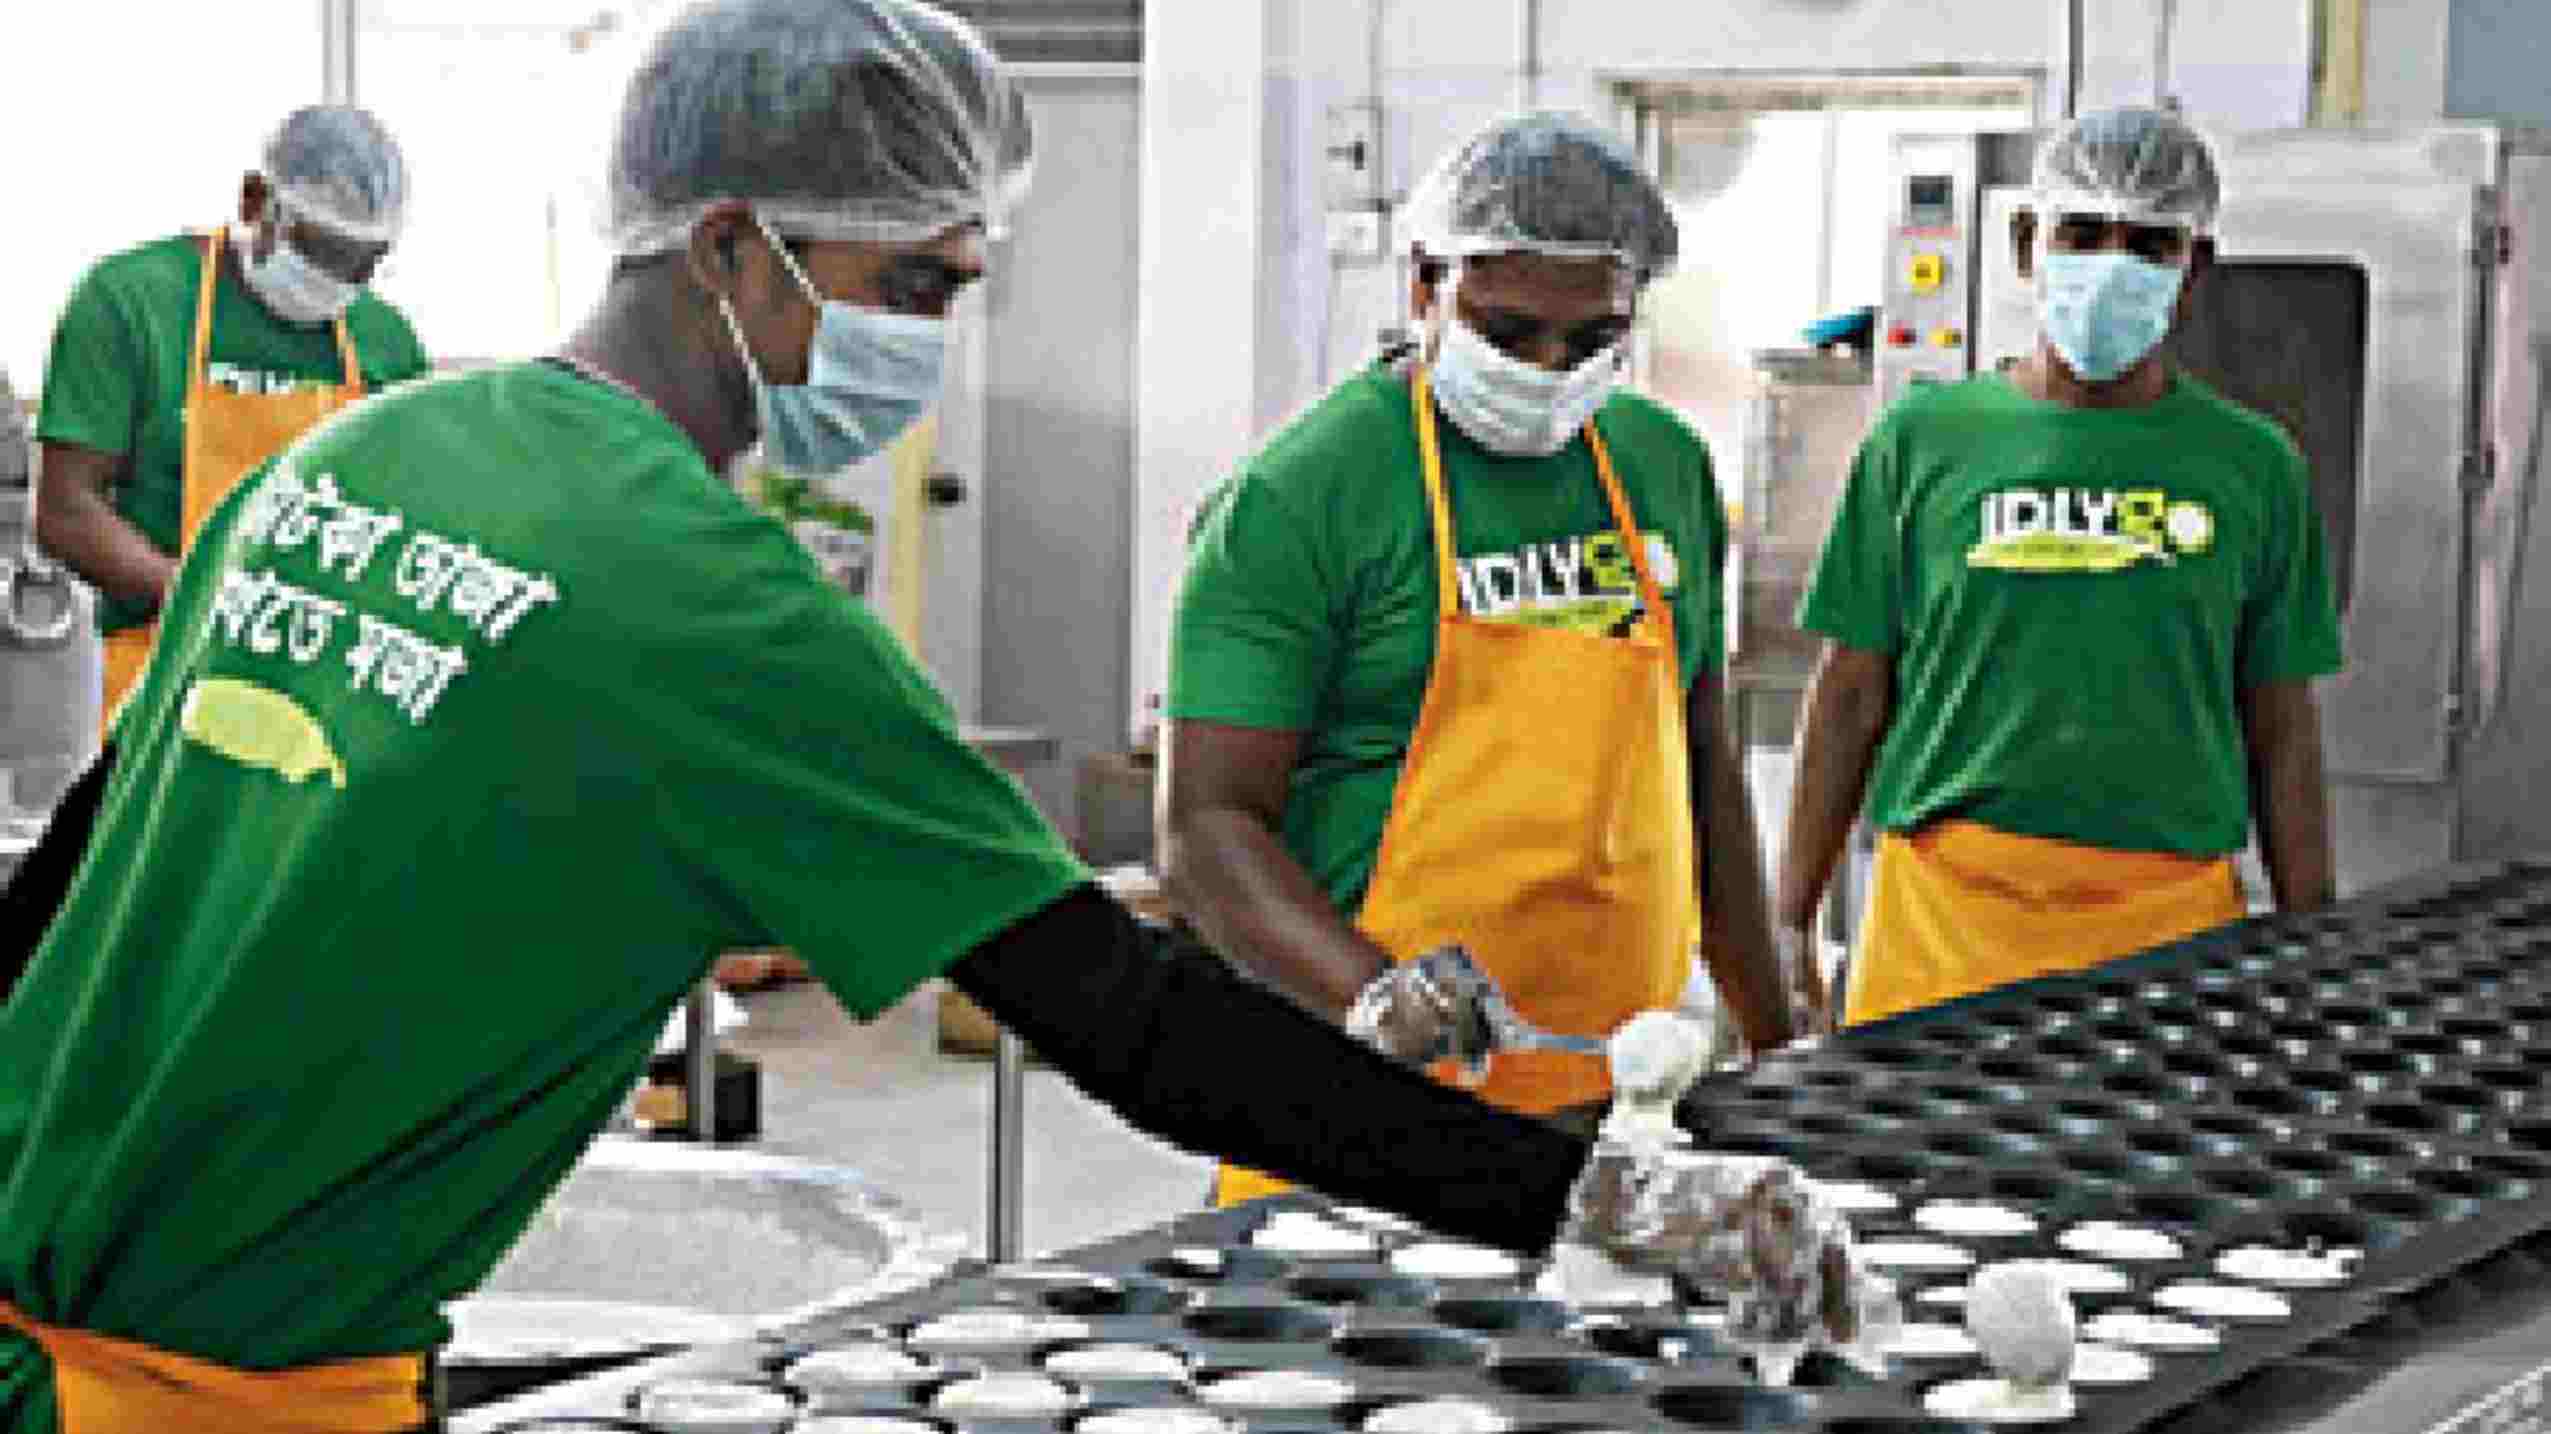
180	365
1445	666
2073	616
486	712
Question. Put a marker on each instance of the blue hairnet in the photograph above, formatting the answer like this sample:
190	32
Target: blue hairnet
1549	182
336	166
880	120
2144	166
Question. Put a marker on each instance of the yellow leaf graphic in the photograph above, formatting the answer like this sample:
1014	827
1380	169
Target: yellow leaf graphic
259	727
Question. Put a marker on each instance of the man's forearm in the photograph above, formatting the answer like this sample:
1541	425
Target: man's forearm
2291	796
1839	732
1188	1051
1234	881
77	525
1736	937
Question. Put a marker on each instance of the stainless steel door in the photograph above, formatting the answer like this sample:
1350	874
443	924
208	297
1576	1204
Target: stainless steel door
2404	210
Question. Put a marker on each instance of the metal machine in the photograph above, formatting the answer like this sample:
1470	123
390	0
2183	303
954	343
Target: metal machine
2385	297
48	655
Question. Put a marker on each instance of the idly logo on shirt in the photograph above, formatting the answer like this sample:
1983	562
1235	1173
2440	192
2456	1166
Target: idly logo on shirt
235	379
2083	530
1583	584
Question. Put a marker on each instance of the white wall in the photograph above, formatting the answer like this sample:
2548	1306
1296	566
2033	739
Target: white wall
127	128
1204	122
1796	34
2406	45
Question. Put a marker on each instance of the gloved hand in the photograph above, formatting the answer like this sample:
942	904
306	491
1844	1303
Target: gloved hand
1440	1006
1811	1009
1745	1229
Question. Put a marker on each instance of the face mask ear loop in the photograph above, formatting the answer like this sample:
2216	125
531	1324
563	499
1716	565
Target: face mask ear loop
743	350
788	261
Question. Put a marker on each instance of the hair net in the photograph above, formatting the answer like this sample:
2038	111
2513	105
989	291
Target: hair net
335	166
1544	183
2140	165
880	120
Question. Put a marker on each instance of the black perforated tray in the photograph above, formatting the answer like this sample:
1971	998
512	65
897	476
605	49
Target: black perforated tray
2379	1074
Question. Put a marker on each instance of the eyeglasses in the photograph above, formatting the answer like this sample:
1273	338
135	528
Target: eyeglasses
2090	233
923	284
353	260
1519	336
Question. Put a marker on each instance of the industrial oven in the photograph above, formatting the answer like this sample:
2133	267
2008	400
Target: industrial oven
2382	296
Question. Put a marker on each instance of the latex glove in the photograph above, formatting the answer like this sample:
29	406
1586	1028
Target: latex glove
1811	1010
1745	1229
1441	1006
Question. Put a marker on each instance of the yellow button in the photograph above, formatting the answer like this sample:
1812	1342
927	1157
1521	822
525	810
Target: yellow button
1928	270
1948	338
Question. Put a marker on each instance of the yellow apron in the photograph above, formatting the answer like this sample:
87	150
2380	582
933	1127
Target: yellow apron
1958	908
227	435
103	1385
1543	819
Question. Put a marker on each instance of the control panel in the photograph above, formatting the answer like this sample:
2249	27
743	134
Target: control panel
1927	318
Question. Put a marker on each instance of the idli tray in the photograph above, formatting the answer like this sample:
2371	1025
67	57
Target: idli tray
2377	1076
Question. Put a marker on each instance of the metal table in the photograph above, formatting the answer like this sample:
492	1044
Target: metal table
1016	749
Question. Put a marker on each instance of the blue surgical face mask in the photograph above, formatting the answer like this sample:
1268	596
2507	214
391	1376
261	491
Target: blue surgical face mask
2105	311
870	374
292	288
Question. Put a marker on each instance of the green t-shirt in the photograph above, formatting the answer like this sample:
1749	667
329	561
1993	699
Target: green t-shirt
299	1059
2074	600
116	379
1309	599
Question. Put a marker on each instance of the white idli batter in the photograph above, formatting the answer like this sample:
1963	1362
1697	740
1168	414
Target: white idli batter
2022	1318
1157	1420
1003	1394
1372	1219
1452	1260
1853	1197
1438	1416
1581	1275
1973	1219
711	1406
2081	1277
1277	1389
993	1328
1116	1361
1655	1056
856	1365
2107	1240
2137	1330
2224	1301
2103	1364
2301	1269
1300	1232
1999	1401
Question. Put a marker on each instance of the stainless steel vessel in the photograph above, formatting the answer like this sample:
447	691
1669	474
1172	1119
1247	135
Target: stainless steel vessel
49	654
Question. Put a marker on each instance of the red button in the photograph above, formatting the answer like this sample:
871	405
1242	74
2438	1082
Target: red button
1901	336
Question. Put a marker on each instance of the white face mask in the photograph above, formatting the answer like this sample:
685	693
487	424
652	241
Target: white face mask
870	374
294	289
1510	407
